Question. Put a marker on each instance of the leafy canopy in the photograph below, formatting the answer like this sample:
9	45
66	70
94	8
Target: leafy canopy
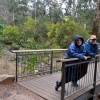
63	34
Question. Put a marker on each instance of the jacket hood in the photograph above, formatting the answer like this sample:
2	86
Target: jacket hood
78	37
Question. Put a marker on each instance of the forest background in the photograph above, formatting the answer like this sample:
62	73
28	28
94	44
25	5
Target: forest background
40	24
44	24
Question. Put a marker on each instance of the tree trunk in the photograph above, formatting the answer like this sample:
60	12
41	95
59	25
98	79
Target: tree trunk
96	20
73	10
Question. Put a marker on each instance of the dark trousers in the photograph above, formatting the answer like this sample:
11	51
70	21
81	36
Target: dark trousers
70	72
81	71
75	72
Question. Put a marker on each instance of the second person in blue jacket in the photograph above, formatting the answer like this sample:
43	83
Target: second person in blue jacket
91	46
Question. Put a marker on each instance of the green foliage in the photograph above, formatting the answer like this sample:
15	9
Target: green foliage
27	40
15	47
30	43
84	33
41	31
31	65
11	34
29	27
56	15
41	46
19	9
85	12
49	27
2	26
2	21
34	34
1	31
35	29
63	34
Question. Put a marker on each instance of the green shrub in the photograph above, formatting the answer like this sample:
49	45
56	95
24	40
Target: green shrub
11	34
61	35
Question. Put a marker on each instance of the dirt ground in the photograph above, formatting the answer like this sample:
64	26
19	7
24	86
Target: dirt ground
13	91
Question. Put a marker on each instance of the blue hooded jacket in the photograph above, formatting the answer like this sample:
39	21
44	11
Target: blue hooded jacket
91	49
75	51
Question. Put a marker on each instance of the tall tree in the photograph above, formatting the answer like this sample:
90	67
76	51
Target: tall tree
85	13
96	19
48	9
4	11
18	10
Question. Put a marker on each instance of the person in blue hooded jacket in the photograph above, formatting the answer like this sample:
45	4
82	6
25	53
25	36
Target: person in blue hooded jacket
75	50
91	46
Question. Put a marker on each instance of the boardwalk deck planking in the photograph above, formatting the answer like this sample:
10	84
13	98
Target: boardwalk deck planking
45	87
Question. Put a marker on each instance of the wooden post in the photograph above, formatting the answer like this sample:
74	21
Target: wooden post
51	67
63	81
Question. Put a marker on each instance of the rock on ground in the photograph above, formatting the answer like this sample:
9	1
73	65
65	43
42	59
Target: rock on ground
5	79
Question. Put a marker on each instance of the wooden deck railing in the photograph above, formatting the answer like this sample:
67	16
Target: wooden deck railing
37	62
91	78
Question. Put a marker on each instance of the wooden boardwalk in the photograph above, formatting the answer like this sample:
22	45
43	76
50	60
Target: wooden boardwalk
45	87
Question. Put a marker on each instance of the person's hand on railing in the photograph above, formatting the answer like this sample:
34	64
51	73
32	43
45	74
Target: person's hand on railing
85	58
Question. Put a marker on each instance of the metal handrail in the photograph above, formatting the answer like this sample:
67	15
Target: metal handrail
60	60
64	65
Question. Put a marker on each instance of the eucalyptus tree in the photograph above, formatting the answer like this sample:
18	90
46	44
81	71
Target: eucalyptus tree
48	10
68	8
96	20
81	11
18	11
45	11
4	11
55	13
85	11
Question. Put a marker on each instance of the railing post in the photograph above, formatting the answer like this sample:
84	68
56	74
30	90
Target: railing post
16	67
94	81
51	62
63	81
